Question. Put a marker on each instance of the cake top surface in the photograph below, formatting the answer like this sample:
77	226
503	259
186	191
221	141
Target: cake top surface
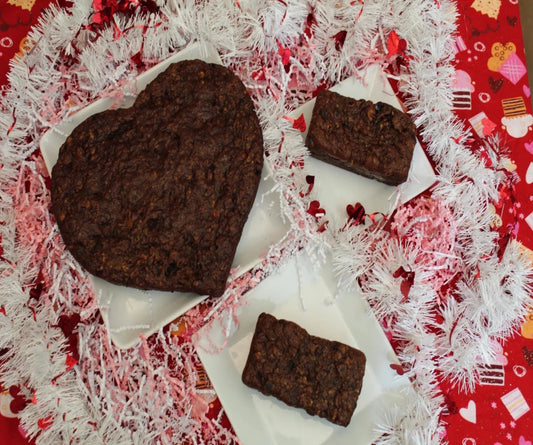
155	196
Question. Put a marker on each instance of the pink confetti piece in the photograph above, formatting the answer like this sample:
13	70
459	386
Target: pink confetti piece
428	225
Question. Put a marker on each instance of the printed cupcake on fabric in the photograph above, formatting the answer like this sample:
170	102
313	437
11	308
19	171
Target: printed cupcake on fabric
491	92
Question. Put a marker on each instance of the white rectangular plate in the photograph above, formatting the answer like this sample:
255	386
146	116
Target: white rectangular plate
128	311
258	419
335	187
300	294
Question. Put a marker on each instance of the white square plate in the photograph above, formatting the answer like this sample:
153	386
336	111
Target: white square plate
258	419
335	187
128	311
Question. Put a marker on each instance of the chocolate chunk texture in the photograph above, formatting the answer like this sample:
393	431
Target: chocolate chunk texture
323	377
156	196
374	140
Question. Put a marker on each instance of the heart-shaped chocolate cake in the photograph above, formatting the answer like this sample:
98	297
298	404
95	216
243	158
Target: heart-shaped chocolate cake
156	196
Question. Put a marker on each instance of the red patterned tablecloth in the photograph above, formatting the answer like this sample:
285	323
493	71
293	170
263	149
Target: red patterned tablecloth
491	93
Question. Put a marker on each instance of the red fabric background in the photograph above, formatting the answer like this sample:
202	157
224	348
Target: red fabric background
483	87
481	33
15	22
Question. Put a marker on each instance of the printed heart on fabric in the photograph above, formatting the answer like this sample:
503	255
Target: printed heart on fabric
523	441
469	413
495	84
156	196
512	20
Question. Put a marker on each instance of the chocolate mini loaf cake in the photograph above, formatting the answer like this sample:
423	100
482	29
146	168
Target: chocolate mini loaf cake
321	376
156	196
371	139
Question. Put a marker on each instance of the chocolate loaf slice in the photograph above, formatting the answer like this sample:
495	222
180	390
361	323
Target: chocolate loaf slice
321	376
371	139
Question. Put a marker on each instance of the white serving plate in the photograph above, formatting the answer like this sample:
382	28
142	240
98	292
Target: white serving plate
127	311
258	419
300	294
335	187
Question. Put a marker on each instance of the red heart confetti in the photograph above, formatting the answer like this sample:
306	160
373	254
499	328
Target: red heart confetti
259	74
45	422
485	157
310	23
19	402
502	242
70	362
398	368
37	289
407	282
298	123
14	391
310	179
17	405
405	287
356	213
395	45
68	324
285	54
315	210
340	38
